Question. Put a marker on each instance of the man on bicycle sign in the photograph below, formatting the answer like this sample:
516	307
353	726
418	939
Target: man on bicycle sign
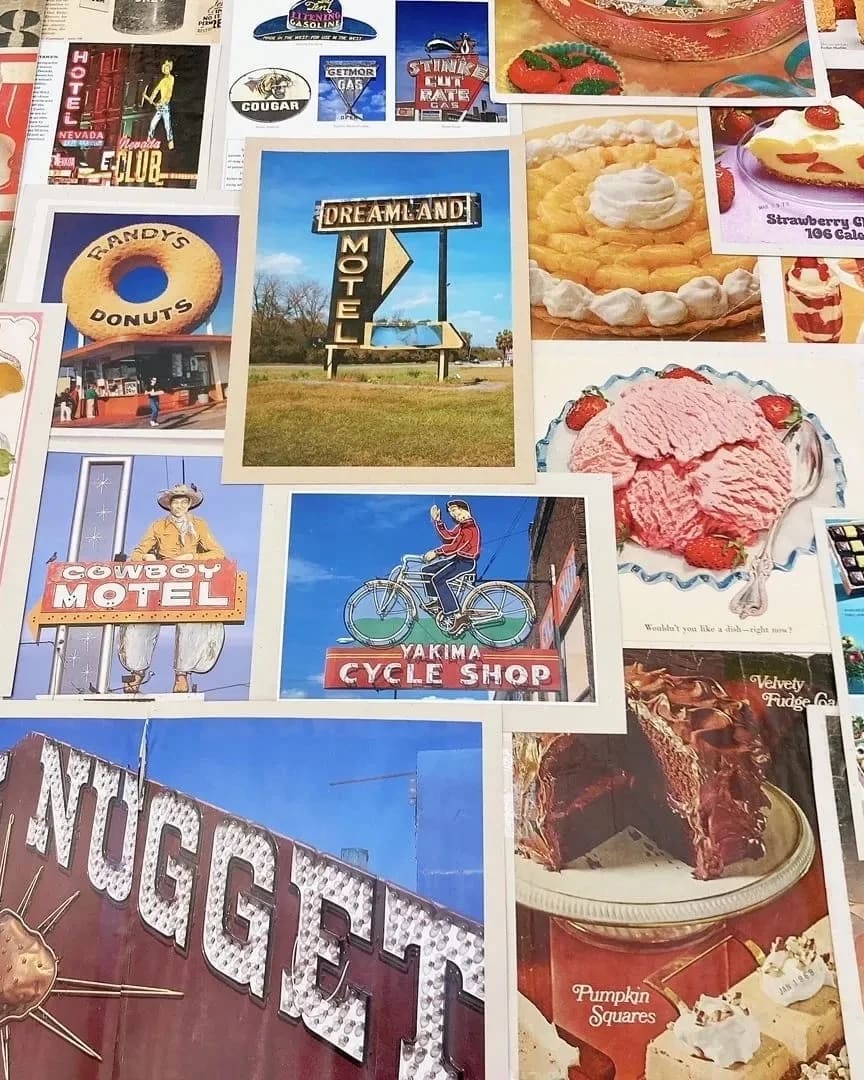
456	556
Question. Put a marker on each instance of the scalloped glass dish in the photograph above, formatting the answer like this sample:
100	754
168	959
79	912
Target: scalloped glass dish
796	536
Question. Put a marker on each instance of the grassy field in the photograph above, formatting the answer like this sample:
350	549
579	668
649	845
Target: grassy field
390	417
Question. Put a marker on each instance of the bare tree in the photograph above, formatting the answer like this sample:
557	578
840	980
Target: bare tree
266	297
305	303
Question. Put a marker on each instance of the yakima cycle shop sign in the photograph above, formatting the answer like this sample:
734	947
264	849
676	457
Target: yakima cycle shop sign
210	945
442	666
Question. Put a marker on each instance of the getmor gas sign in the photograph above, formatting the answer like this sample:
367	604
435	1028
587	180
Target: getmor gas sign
178	942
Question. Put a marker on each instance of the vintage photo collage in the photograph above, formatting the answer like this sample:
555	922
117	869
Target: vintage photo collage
432	540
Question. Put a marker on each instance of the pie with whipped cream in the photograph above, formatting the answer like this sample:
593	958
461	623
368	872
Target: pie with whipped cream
822	144
618	235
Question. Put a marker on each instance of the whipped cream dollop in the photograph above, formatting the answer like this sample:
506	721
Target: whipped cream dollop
721	1029
703	298
834	1067
543	1054
642	198
813	278
794	971
664	133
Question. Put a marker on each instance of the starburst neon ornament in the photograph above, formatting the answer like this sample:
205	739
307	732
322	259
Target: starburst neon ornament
30	971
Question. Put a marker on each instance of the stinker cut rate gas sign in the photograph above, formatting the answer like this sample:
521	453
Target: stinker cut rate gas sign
154	936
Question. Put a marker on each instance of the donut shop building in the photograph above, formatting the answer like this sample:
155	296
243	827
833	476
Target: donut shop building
191	369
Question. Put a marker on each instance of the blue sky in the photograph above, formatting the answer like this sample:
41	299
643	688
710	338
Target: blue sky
72	233
278	773
232	512
418	21
478	259
339	541
371	105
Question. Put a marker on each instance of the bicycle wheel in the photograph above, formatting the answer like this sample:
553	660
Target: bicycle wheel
501	614
380	613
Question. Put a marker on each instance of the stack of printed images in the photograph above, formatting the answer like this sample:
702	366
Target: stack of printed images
431	539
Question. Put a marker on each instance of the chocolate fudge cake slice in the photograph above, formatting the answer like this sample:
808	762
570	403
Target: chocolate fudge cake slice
566	800
713	760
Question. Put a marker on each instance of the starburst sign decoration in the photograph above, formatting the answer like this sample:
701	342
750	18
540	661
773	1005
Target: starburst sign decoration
30	970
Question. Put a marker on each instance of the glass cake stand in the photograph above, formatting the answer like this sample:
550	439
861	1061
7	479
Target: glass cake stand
673	906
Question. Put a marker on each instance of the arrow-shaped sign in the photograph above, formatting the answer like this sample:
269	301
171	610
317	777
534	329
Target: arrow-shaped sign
396	261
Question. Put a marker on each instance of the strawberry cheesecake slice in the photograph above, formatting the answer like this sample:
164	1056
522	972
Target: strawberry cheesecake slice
822	144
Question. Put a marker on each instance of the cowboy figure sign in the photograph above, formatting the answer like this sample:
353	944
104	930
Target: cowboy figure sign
178	537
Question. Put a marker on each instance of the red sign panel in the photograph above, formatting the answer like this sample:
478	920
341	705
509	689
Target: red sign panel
171	940
452	82
546	626
209	590
442	667
568	585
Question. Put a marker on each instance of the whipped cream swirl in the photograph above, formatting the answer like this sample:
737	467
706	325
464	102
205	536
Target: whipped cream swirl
643	198
721	1029
795	971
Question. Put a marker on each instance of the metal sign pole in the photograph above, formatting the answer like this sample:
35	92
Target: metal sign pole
443	356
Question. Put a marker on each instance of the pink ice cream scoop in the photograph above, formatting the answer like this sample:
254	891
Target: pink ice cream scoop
688	459
663	508
683	419
599	449
743	488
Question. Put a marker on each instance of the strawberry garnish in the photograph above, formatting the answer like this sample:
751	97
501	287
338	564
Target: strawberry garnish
736	125
825	117
798	159
725	187
780	410
586	408
824	167
715	552
682	373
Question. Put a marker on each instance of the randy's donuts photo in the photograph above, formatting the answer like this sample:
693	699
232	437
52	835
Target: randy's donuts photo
192	269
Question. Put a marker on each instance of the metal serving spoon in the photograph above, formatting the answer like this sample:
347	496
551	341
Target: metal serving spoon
805	448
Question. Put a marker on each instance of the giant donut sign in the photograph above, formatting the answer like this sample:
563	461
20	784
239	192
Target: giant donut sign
162	937
191	266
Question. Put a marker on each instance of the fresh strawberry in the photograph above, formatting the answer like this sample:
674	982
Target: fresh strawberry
779	410
715	552
735	125
534	72
822	116
623	517
824	167
586	408
682	373
725	187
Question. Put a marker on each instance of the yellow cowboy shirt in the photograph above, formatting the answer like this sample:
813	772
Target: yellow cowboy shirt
163	539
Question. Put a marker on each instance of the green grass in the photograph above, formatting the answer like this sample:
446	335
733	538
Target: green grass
390	374
293	422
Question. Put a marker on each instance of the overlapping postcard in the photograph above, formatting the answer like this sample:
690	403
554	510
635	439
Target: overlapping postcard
381	324
713	505
468	596
149	288
290	892
669	51
355	71
675	901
